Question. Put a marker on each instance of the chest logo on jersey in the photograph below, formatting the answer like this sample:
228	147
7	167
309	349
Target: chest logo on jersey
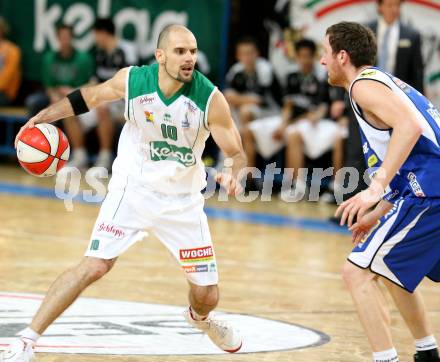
368	73
191	107
372	160
163	151
146	100
149	116
365	148
185	122
167	118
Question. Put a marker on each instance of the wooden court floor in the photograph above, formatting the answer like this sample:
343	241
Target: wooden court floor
274	272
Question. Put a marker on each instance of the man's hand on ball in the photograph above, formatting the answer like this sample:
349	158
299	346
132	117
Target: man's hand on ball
28	124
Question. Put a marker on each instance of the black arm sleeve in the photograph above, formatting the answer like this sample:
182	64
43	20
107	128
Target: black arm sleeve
77	102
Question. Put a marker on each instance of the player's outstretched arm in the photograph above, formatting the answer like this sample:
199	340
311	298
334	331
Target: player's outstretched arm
93	96
227	137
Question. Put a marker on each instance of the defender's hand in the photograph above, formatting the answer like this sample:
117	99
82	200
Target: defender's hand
358	205
363	226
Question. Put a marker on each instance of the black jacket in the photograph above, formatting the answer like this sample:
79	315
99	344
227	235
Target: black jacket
409	61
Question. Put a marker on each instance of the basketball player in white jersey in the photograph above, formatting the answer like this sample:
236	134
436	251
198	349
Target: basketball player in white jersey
158	174
397	242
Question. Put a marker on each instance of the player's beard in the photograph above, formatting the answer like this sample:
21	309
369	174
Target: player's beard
330	80
177	77
333	79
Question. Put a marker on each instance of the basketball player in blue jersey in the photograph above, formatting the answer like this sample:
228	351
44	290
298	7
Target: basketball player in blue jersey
395	222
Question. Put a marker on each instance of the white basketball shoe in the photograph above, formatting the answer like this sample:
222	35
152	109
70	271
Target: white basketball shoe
18	351
221	333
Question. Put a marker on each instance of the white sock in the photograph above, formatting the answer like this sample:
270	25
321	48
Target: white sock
390	355
426	343
195	316
29	335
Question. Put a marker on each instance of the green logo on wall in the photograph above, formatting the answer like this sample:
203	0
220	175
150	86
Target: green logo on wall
161	150
34	23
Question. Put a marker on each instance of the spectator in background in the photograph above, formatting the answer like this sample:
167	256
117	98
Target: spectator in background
63	71
303	126
310	103
252	89
10	70
398	45
111	55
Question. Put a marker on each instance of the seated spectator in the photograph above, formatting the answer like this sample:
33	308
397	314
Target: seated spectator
252	89
303	127
10	69
111	55
63	71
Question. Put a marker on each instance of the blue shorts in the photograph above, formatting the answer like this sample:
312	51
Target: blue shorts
404	247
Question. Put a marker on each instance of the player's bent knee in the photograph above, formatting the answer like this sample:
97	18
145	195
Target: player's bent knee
355	276
96	268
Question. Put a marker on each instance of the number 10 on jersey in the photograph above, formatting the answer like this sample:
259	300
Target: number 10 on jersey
169	131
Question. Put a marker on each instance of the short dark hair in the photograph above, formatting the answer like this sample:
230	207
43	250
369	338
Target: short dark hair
357	40
64	27
247	40
305	44
105	24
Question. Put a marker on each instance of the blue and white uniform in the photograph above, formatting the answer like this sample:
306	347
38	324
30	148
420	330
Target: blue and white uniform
404	247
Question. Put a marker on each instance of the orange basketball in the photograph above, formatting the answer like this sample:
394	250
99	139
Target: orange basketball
43	150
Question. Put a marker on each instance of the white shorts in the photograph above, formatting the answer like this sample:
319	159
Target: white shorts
262	130
318	138
179	222
257	112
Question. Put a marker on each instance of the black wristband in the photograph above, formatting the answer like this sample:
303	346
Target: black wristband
77	102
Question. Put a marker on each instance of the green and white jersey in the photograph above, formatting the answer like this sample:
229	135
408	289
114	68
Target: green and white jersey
162	142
